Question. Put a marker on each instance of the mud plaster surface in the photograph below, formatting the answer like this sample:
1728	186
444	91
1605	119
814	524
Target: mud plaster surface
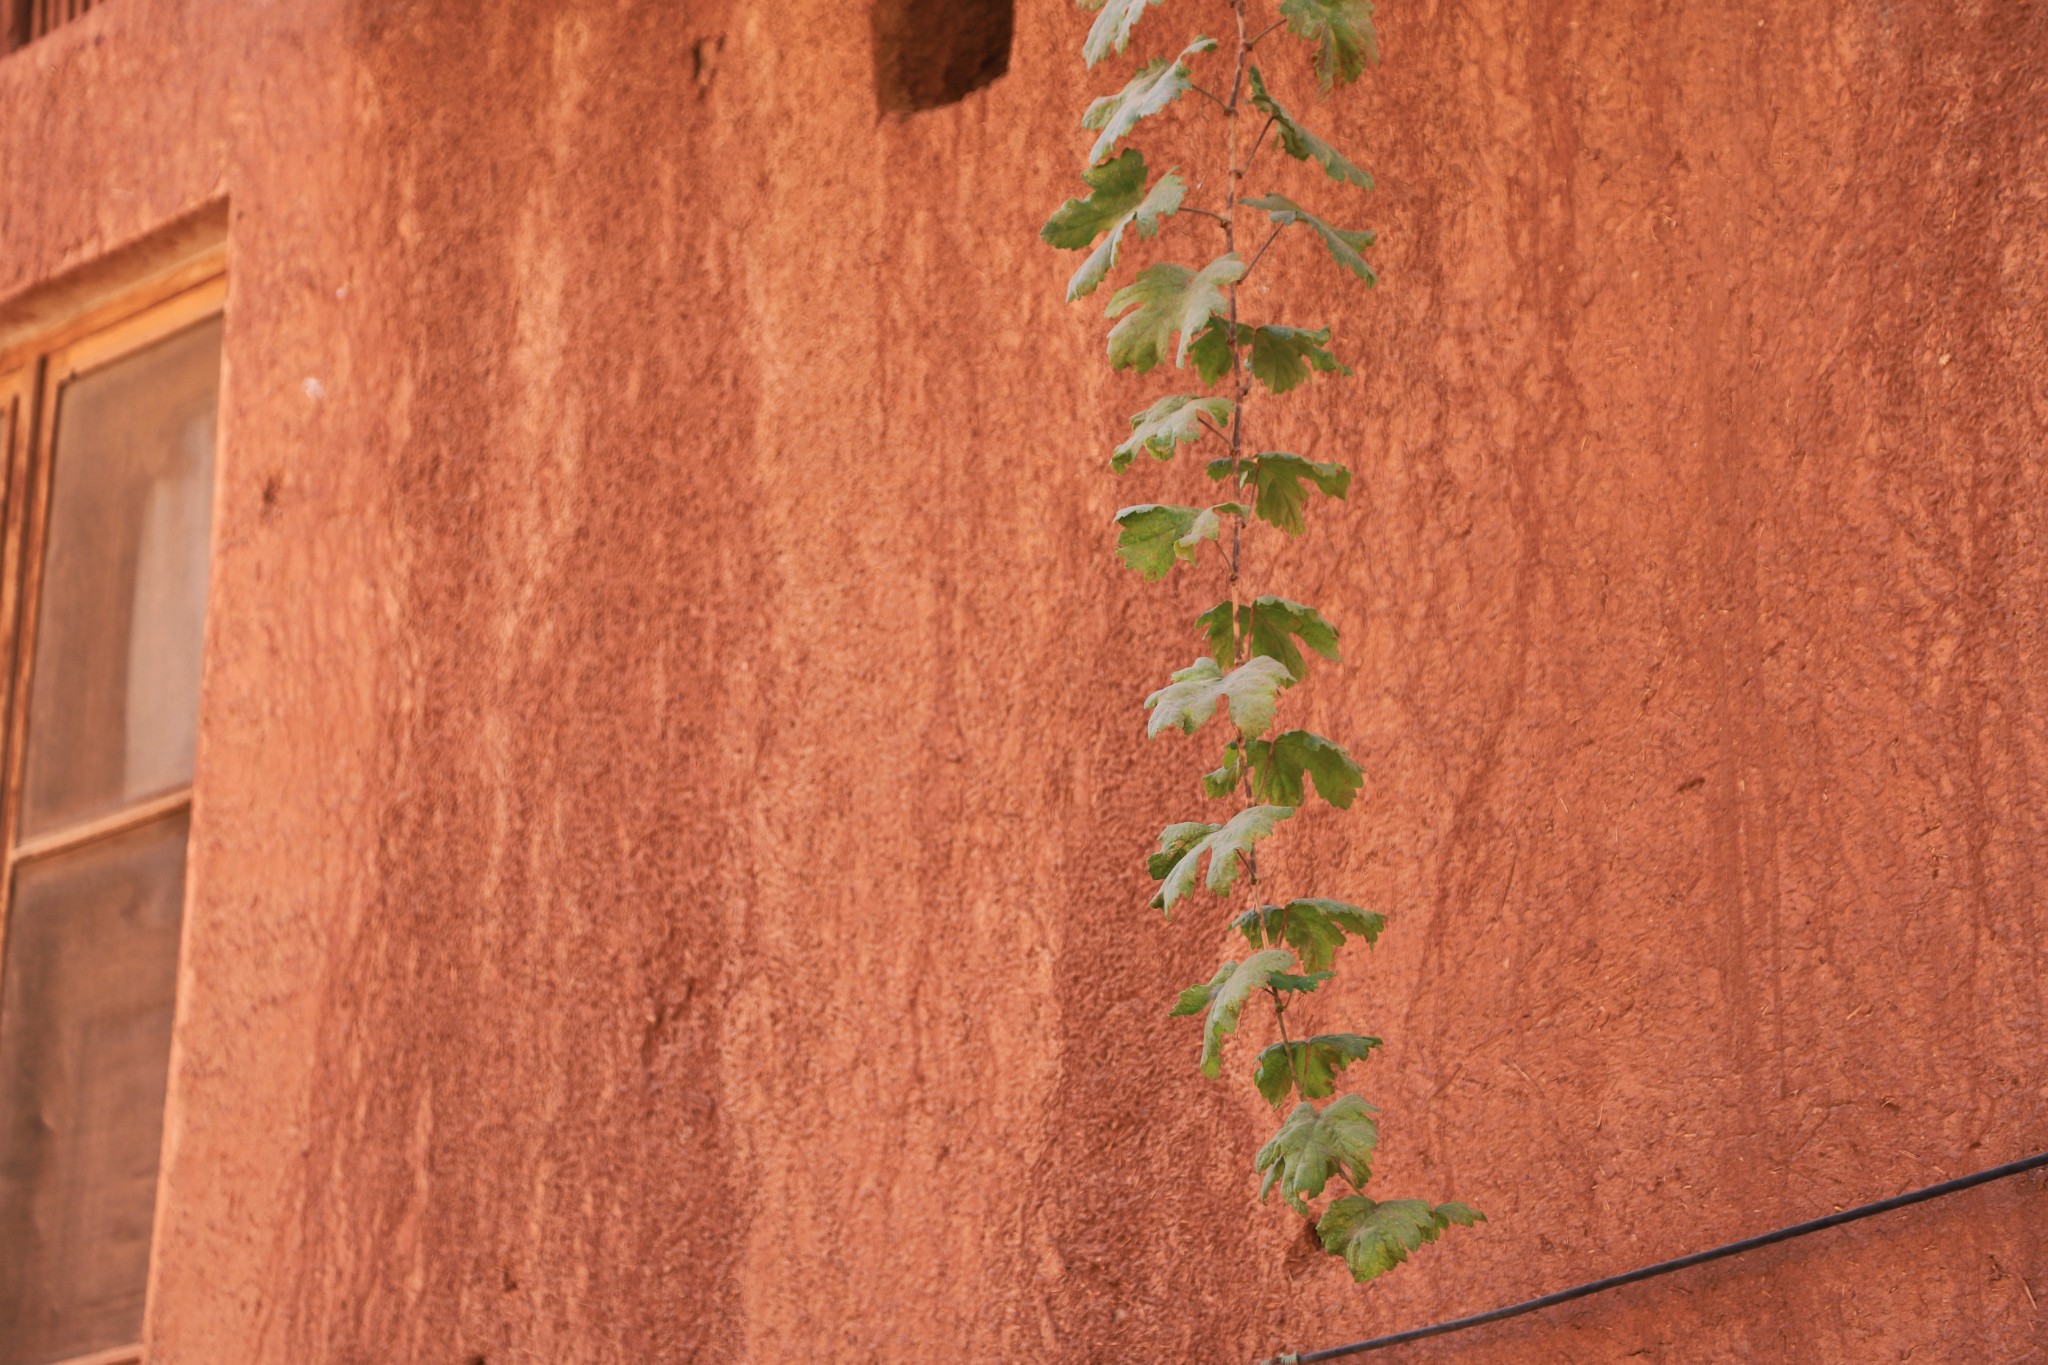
665	882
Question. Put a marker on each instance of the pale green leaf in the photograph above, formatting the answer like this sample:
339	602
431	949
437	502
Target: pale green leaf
1223	846
1111	31
1156	536
1251	692
1281	766
1224	994
1117	199
1311	1065
1375	1237
1301	144
1277	481
1344	244
1165	299
1170	423
1342	32
1315	927
1174	843
1282	356
1313	1146
1158	84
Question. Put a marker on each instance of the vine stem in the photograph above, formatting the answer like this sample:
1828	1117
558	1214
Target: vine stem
1286	1043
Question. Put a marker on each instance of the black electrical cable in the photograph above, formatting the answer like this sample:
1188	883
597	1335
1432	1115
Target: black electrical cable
1784	1234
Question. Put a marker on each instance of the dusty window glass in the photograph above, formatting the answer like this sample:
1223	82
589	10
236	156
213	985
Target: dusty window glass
114	572
85	1036
114	696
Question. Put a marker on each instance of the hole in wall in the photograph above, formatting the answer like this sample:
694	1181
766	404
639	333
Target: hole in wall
930	53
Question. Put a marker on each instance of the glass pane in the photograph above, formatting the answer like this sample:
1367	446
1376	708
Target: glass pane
85	1040
114	704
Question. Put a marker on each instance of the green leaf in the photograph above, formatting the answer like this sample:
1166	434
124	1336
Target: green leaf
1316	1063
1157	536
1174	843
1224	994
1165	299
1212	352
1276	478
1271	625
1373	1237
1252	691
1280	764
1222	846
1117	198
1300	143
1222	781
1282	356
1312	1146
1219	628
1111	31
1343	35
1313	926
1274	624
1114	191
1170	423
1344	244
1157	84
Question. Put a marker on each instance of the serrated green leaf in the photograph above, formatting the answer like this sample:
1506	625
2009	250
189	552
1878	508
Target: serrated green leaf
1279	357
1282	356
1117	199
1165	299
1174	843
1375	1237
1114	191
1170	423
1212	352
1222	846
1158	84
1280	766
1220	782
1276	479
1315	1064
1111	31
1301	144
1156	536
1251	690
1314	926
1344	244
1313	1145
1342	32
1219	629
1223	996
1275	623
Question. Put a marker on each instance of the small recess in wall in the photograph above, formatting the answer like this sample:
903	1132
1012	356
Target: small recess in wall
930	53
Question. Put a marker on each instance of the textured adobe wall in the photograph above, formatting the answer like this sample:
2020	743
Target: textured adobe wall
665	883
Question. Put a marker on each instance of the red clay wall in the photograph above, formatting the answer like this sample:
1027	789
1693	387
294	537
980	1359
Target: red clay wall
666	873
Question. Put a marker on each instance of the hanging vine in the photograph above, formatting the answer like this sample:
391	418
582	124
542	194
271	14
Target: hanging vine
1257	645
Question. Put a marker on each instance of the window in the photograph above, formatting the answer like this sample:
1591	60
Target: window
27	20
108	433
930	53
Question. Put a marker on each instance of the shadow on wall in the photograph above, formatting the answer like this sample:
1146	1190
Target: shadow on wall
930	53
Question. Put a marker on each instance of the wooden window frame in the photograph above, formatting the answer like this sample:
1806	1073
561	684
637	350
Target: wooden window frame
32	374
